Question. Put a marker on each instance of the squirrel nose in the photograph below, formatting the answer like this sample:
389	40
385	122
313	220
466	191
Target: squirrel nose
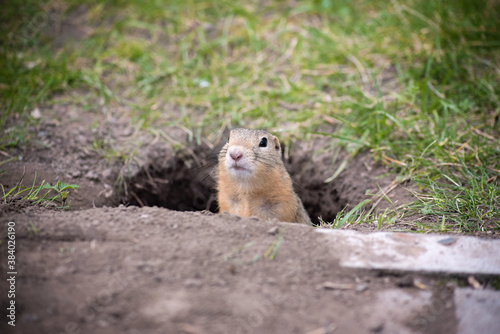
235	154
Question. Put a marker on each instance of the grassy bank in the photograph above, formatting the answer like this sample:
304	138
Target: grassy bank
416	82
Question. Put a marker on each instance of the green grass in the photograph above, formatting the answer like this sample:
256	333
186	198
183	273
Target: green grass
359	215
42	194
416	82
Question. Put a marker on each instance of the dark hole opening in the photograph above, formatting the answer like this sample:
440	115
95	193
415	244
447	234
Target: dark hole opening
177	185
180	184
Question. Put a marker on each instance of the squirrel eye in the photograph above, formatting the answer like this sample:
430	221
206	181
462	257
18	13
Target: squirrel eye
263	142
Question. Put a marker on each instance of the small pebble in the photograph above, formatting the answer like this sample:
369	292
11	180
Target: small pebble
447	241
273	230
362	287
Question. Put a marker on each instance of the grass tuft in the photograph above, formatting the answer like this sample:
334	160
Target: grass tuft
42	194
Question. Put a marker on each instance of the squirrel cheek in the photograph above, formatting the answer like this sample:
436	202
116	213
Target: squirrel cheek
228	163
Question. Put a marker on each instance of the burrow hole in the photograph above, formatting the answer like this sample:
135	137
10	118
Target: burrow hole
185	182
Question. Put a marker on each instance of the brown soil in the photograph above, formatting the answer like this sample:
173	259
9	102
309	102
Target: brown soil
152	270
108	268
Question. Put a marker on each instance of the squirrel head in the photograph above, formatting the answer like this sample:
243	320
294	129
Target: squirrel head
250	154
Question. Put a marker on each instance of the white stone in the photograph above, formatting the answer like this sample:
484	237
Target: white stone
416	252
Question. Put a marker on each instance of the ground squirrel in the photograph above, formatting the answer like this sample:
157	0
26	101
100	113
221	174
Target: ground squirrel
252	179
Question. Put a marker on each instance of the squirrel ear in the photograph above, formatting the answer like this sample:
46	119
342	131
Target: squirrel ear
276	143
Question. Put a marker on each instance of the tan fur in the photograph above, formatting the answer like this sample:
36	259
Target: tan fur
266	191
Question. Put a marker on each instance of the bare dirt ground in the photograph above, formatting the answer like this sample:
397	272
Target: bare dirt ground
106	267
151	270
